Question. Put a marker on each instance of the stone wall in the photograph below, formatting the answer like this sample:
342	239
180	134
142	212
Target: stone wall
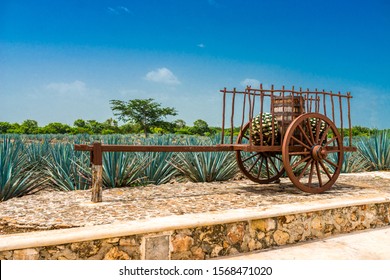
212	241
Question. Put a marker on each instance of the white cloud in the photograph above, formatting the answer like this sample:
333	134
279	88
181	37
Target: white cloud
112	10
124	9
73	87
250	82
119	10
201	45
162	75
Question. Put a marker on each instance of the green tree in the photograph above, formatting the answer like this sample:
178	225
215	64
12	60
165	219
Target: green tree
95	126
129	128
80	127
15	128
80	123
29	127
144	112
56	128
200	127
179	124
4	127
110	126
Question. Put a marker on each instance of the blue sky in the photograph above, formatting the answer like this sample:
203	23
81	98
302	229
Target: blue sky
64	60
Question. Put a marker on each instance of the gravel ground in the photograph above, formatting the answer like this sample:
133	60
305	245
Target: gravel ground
52	209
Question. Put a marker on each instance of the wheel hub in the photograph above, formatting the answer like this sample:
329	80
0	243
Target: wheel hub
318	152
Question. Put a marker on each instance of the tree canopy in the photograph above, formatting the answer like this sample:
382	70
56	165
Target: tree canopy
144	112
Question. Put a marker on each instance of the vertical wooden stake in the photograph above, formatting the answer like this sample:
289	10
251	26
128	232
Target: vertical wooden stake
97	183
223	115
97	172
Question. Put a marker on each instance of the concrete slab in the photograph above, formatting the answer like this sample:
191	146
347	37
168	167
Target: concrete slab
363	245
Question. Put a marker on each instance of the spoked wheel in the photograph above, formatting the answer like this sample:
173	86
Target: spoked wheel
312	152
260	167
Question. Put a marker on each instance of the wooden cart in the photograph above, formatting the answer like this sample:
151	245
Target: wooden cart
304	139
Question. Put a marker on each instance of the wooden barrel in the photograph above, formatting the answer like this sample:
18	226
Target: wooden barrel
286	109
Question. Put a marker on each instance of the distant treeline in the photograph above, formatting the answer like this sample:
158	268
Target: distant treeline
111	126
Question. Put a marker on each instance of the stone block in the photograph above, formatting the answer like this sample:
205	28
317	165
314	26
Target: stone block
26	254
157	247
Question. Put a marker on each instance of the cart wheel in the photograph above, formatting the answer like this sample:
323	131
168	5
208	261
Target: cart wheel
311	157
260	167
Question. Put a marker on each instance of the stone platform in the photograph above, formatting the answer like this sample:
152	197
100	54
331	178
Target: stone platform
187	220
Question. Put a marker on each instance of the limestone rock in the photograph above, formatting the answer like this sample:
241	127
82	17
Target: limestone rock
181	256
254	245
281	237
127	242
115	254
5	255
216	250
85	249
235	234
198	253
182	243
264	225
316	224
289	218
339	220
112	240
26	254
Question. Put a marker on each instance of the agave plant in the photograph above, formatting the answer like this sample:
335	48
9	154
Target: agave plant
18	176
352	161
376	150
160	170
121	169
205	166
38	151
67	169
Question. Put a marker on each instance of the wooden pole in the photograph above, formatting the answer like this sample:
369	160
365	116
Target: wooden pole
97	183
97	172
223	115
232	117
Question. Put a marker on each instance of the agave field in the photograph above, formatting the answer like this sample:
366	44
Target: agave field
29	163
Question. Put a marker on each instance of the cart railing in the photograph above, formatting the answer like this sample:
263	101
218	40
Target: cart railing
284	105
